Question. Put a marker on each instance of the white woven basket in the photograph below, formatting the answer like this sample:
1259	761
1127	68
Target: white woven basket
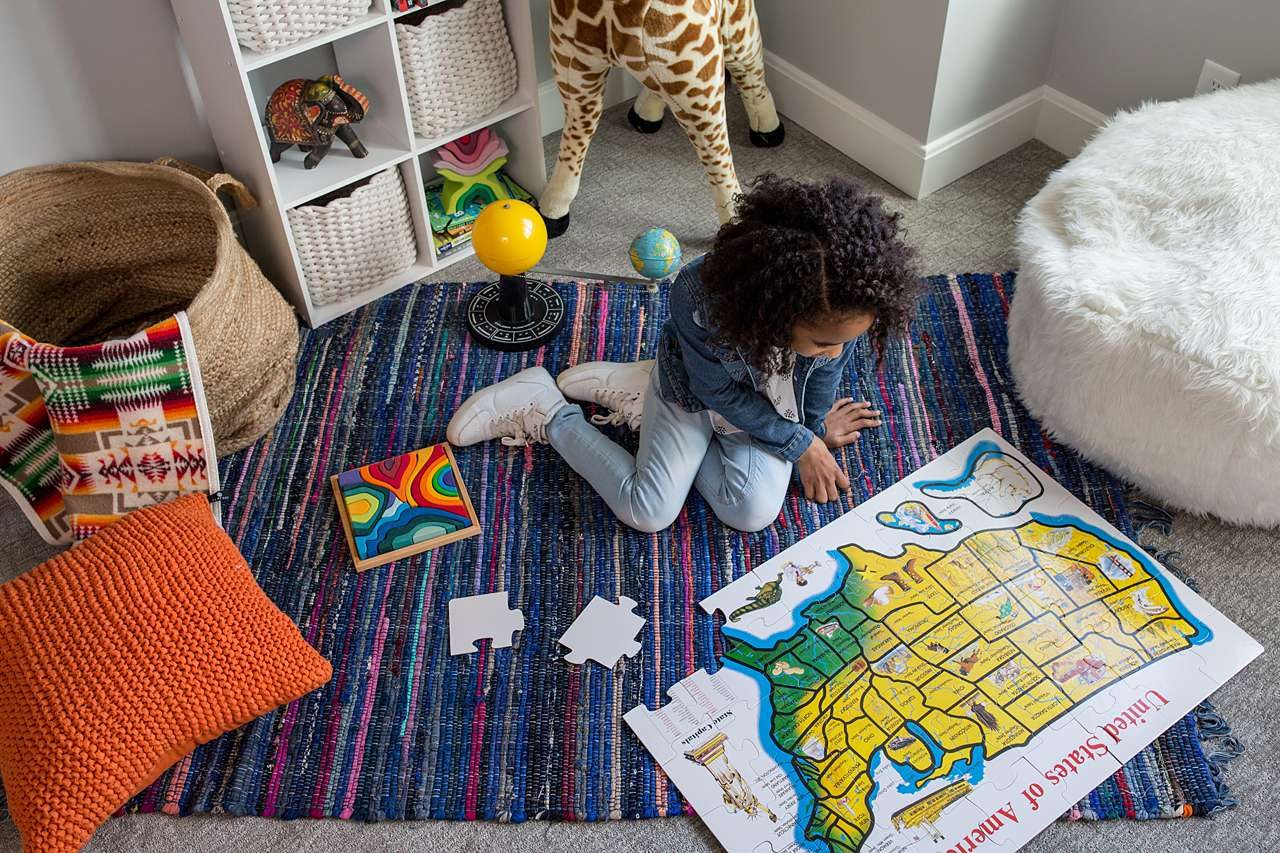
266	25
355	242
458	66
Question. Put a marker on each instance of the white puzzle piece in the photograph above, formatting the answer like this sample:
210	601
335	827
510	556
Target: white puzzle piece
478	617
996	482
603	632
919	685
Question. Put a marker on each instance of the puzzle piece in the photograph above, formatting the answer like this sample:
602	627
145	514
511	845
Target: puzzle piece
1025	792
773	593
603	632
1075	760
915	517
1009	822
996	482
947	525
477	617
702	739
751	600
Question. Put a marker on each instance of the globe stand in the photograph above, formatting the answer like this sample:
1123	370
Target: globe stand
515	314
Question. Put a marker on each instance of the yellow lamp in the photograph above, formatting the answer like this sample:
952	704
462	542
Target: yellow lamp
513	313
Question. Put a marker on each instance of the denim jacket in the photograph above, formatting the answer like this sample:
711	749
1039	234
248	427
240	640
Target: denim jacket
697	374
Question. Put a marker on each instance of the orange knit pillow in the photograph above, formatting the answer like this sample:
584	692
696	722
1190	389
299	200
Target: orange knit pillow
121	655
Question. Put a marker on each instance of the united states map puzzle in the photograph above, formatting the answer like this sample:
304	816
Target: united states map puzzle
947	668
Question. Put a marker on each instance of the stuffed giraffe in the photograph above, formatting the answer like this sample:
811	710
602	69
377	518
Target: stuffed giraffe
679	50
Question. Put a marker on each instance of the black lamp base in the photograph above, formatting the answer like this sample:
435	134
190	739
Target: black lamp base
515	314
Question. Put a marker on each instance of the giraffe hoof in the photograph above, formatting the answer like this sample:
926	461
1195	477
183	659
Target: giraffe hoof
643	124
772	139
556	227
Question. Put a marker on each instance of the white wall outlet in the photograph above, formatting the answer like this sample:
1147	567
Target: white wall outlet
1214	77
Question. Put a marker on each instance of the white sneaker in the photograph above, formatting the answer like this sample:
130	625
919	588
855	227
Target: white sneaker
516	410
620	388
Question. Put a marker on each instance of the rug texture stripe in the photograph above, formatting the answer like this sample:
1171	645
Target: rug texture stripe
405	730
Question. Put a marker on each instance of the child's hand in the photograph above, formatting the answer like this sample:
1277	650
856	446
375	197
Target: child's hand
846	419
820	474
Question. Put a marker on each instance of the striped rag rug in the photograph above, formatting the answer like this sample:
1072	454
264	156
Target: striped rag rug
404	730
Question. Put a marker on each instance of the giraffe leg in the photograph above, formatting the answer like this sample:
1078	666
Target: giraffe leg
744	57
701	113
646	113
580	79
685	65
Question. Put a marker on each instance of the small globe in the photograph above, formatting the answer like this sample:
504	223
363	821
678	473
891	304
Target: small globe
655	253
509	237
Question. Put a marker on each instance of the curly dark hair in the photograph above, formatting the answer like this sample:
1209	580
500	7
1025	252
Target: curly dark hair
806	252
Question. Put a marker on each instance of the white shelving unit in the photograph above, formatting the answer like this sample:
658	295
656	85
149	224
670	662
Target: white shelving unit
235	83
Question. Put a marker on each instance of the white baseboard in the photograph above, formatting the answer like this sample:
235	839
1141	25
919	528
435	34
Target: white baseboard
1065	123
917	168
621	87
886	150
954	155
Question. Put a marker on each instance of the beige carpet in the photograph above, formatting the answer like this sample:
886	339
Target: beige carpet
632	182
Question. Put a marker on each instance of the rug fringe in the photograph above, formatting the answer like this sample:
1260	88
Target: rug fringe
1220	748
1219	745
1149	518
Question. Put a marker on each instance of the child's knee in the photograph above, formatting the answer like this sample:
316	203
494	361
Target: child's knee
749	516
650	519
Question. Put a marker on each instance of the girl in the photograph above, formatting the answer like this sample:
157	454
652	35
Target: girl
748	366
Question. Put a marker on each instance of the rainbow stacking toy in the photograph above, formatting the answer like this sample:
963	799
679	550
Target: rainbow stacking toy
469	166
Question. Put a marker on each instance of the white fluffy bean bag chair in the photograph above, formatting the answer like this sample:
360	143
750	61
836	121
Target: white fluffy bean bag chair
1145	326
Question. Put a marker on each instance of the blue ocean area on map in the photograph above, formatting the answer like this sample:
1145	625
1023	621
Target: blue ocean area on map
805	801
912	777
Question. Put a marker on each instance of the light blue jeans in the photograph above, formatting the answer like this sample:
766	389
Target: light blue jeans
743	482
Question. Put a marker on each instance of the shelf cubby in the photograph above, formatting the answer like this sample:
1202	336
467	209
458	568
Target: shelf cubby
366	60
236	82
512	127
254	59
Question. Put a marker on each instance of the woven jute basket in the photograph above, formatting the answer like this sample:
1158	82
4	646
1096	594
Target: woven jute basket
95	251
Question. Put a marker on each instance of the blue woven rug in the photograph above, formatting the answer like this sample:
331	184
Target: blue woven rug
404	730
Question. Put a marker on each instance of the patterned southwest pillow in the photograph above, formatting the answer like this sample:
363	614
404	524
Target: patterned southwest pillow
89	433
121	655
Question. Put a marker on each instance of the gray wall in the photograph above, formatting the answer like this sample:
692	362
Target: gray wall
104	80
541	39
1113	55
881	54
992	52
96	81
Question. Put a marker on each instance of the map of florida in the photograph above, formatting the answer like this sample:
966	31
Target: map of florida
937	660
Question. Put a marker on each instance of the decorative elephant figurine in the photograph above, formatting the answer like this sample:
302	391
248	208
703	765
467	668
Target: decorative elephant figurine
308	113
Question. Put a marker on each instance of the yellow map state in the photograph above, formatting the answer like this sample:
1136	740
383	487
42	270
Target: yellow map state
920	659
1044	639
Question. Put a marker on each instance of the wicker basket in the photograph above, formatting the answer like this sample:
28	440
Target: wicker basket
95	251
266	25
357	241
458	66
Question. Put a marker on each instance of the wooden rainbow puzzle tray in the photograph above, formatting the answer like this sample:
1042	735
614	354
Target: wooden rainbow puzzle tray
403	506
